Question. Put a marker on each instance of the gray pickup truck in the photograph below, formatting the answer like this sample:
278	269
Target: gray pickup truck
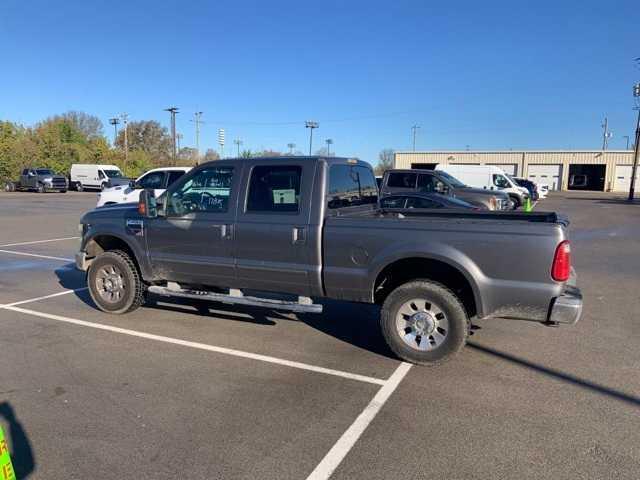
306	228
40	180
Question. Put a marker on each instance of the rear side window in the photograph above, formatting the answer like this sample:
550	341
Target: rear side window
351	185
152	180
426	183
274	188
402	180
174	175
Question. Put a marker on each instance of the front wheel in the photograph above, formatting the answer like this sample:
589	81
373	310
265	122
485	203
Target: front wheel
114	283
423	322
40	188
514	203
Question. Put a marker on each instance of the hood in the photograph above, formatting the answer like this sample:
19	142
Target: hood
482	191
111	212
113	182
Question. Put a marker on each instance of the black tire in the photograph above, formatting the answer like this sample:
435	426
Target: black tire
63	191
133	289
40	188
9	187
79	187
516	201
432	293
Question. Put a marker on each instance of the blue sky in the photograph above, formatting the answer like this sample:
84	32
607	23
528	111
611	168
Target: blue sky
492	75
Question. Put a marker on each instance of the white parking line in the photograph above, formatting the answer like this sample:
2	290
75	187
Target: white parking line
38	241
199	346
348	439
62	259
22	302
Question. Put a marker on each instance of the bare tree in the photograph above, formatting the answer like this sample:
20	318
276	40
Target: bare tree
385	161
89	125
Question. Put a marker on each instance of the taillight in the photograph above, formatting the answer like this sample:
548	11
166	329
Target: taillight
561	268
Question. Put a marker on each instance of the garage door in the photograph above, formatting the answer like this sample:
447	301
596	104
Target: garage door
510	168
546	175
622	178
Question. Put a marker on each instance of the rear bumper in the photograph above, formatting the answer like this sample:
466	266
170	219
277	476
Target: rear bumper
567	308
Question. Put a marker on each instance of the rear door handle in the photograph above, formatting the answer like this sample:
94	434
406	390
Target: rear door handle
299	235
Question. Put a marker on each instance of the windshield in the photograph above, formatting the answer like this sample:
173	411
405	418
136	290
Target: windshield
44	171
453	181
113	173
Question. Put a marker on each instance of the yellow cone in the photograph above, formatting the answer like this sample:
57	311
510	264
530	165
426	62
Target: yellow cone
6	468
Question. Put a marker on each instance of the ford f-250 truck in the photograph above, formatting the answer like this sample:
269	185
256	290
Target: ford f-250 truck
309	228
40	180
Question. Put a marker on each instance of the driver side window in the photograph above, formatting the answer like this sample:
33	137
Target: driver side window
207	191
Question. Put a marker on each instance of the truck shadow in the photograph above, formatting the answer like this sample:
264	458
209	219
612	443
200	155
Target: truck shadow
558	375
22	456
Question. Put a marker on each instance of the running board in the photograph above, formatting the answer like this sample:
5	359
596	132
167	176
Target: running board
303	305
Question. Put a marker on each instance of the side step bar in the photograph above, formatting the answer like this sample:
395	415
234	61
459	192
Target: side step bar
303	305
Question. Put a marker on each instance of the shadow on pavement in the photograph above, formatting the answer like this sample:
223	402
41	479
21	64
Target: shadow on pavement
558	375
22	454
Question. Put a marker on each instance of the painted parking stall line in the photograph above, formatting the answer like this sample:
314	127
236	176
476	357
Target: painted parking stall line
38	241
48	257
44	297
199	346
345	443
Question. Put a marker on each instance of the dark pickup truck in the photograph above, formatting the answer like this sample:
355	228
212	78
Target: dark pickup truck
40	180
308	228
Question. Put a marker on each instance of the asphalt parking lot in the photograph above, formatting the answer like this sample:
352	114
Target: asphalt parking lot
215	391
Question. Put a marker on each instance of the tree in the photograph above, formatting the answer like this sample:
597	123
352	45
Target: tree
385	161
210	155
90	125
150	137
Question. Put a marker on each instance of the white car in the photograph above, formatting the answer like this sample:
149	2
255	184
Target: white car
158	179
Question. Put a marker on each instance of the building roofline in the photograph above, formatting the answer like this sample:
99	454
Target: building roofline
511	151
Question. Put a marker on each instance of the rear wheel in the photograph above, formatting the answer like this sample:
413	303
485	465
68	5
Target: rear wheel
423	322
79	187
9	187
114	283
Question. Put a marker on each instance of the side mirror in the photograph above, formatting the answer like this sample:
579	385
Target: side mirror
147	205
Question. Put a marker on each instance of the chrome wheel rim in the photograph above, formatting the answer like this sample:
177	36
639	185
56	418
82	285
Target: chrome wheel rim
110	283
422	324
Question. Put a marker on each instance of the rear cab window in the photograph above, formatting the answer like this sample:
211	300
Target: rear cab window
351	185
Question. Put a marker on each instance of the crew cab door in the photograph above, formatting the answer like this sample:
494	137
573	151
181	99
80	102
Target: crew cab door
274	242
193	241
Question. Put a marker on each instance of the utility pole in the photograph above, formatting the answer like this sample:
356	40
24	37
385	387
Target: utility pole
414	129
197	121
238	142
627	137
329	142
606	134
634	169
173	111
125	121
179	137
311	125
221	141
114	121
291	147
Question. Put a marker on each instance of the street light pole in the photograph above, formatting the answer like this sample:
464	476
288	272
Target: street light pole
634	169
329	142
311	125
114	121
125	121
197	121
627	137
291	147
414	129
238	142
173	111
606	134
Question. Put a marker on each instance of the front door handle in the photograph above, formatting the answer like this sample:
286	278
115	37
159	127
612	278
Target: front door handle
226	231
299	235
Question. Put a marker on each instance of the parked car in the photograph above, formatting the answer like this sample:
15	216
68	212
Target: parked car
39	180
430	181
309	227
99	177
157	179
419	201
487	177
543	190
531	187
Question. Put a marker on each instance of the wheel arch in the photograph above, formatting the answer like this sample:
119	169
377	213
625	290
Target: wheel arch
432	267
104	242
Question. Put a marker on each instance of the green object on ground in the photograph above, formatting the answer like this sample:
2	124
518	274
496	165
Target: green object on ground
6	468
527	205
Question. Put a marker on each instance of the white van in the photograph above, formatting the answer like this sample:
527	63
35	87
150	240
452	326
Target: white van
488	177
158	179
99	177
